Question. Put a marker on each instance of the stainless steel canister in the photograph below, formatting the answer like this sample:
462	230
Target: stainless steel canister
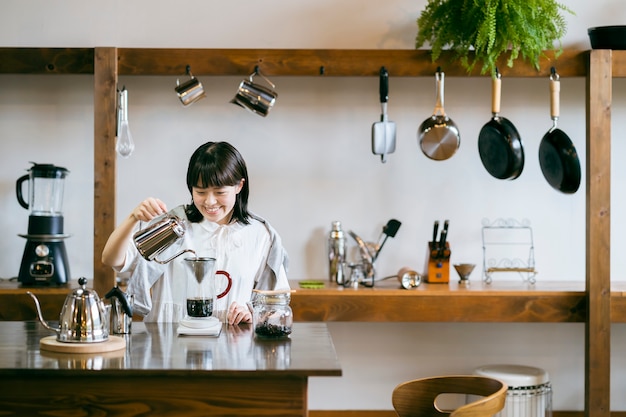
337	244
408	278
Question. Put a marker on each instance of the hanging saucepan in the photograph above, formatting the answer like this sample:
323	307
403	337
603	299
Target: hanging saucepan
499	143
438	135
557	155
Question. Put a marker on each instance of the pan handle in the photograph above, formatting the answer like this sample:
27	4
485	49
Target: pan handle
439	79
555	90
384	85
496	86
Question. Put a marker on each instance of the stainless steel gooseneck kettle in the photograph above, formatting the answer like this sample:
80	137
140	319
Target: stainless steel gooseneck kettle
158	236
84	317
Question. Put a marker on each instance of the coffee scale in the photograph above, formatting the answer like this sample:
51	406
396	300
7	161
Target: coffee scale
45	259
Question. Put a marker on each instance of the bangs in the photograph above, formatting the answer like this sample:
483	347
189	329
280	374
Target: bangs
210	173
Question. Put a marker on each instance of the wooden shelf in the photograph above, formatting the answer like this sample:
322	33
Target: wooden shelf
499	302
272	62
544	302
326	62
553	302
46	60
279	62
16	305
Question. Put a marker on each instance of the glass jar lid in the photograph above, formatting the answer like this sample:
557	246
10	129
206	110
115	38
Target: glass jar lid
279	297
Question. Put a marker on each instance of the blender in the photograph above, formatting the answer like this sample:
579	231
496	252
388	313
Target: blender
45	259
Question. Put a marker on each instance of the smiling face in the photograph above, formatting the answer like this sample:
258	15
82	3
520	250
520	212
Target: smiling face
217	179
216	203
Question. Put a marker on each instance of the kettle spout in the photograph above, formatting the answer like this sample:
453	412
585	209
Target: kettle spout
40	315
168	260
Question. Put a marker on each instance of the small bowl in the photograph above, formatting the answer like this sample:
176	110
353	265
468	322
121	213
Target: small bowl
608	37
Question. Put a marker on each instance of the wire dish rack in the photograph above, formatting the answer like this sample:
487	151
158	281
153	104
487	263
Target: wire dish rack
508	247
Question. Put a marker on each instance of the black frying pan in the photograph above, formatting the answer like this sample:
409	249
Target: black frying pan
557	155
499	143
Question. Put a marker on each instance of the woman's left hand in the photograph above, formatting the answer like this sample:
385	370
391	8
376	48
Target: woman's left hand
238	314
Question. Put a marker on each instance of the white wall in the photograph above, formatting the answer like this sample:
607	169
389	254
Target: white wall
310	163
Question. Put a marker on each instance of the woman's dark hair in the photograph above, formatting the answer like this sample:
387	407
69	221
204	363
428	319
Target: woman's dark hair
218	164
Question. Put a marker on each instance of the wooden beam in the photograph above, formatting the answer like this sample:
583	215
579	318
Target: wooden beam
46	60
105	105
298	62
325	62
598	253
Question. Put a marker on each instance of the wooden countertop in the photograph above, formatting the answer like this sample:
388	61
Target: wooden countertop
156	349
160	373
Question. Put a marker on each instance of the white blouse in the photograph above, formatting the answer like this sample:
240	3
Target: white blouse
248	252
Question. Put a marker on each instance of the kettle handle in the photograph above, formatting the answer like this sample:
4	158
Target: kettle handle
115	292
18	190
230	283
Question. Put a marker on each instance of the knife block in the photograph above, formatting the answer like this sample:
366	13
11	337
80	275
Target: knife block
438	264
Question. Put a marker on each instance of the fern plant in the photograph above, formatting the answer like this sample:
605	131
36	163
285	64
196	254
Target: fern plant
491	28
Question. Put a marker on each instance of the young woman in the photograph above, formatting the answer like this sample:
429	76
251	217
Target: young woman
244	245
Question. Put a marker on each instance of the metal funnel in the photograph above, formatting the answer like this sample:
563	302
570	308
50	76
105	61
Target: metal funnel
464	270
200	267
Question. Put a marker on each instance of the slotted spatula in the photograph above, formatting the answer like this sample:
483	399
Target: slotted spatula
383	132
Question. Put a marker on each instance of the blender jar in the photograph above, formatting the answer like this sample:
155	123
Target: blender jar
45	190
45	198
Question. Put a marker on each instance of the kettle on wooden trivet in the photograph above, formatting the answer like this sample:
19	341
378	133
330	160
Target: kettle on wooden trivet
84	317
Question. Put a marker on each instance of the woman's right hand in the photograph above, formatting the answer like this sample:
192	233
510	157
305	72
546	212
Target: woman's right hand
148	209
114	252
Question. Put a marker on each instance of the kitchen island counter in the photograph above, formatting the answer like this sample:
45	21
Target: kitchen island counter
160	373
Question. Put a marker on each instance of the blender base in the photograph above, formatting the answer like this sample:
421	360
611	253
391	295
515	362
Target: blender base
44	262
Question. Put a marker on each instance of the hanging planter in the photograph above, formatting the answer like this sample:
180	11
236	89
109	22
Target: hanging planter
483	30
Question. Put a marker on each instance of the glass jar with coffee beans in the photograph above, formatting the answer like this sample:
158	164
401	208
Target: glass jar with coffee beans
272	317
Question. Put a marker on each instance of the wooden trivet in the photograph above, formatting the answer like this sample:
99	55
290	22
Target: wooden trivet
51	344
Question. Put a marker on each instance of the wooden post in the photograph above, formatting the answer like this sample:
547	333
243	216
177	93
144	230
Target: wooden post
105	104
598	252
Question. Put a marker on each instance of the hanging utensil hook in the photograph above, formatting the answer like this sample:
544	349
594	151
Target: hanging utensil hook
554	76
257	71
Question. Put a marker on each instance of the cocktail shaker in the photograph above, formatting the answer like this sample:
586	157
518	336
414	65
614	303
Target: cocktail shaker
336	253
